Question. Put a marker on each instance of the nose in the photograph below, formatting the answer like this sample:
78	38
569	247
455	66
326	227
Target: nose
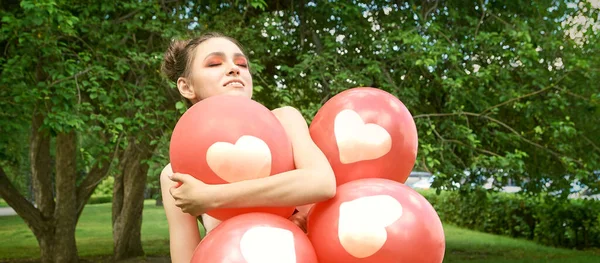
234	70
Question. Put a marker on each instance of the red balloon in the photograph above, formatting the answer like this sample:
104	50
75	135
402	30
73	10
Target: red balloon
225	139
255	238
376	220
366	133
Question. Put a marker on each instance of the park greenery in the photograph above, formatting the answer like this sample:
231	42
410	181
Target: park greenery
498	89
94	242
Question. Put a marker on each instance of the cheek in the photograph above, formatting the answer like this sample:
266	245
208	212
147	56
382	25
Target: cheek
248	78
207	83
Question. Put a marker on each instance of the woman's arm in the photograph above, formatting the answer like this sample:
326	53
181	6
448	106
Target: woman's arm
312	181
184	235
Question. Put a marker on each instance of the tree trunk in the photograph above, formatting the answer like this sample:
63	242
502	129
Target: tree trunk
42	229
66	198
52	223
41	167
128	200
47	241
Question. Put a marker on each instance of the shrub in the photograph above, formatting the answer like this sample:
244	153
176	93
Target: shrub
100	199
544	219
105	187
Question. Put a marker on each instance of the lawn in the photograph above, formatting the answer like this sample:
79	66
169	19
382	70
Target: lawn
93	233
94	240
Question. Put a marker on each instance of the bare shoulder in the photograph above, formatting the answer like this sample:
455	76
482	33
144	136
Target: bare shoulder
291	117
306	152
287	111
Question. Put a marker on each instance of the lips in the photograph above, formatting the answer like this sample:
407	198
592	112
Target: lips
233	83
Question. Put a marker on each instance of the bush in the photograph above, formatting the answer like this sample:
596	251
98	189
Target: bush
105	187
100	199
546	220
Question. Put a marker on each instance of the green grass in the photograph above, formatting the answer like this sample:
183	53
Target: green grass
3	203
464	245
94	240
93	233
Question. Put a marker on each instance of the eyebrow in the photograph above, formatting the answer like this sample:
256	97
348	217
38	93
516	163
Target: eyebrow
222	54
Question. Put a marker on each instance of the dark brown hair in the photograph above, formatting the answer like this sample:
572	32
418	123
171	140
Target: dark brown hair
180	54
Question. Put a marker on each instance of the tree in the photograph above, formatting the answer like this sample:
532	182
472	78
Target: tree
84	77
496	89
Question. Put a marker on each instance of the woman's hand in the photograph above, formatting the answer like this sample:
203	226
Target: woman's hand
192	195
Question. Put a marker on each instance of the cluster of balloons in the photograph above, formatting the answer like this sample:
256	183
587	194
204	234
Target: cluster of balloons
370	140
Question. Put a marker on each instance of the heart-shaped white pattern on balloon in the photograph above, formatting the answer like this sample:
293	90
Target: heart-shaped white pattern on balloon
248	158
268	245
362	223
358	141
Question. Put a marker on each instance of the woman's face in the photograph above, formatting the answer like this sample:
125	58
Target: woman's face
219	67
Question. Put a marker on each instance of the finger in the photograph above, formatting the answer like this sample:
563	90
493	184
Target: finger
181	178
172	192
175	177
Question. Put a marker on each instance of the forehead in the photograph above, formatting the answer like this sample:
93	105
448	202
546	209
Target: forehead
217	44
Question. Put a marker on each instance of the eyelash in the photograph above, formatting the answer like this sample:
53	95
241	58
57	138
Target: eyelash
217	64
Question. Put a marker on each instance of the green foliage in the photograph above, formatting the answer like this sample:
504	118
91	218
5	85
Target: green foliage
100	199
493	86
547	220
155	166
87	67
105	187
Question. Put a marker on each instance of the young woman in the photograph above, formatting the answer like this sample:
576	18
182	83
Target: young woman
215	64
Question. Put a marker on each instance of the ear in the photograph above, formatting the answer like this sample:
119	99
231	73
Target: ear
185	89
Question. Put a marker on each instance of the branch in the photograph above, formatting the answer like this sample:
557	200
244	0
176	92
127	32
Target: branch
94	177
24	208
481	18
501	20
245	15
70	77
430	10
87	187
557	155
591	142
443	141
578	96
78	91
123	18
386	73
446	37
463	144
437	115
526	95
324	82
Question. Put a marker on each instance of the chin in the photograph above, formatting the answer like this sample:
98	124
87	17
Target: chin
239	92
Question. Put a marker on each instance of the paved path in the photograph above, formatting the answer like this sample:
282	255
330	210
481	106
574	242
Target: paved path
7	211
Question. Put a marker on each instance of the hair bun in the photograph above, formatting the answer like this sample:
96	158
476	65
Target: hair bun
175	53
